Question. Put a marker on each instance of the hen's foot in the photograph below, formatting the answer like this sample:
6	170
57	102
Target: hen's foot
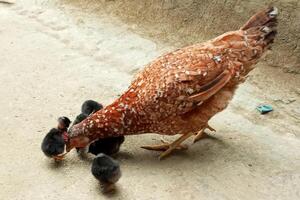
164	146
168	148
175	144
210	128
202	134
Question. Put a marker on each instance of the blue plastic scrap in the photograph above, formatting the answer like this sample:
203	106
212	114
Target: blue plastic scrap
263	109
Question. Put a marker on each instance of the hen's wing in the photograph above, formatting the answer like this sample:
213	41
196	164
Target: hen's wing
177	82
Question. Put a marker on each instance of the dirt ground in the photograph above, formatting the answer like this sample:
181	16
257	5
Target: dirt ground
54	55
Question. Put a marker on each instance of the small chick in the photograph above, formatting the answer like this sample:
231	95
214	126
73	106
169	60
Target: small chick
90	106
63	123
53	144
107	171
109	146
80	118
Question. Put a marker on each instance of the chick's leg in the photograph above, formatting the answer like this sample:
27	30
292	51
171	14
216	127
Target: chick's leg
108	187
59	157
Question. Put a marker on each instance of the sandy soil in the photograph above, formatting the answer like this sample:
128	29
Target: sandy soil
53	57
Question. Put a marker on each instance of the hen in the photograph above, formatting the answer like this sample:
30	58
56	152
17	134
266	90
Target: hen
179	92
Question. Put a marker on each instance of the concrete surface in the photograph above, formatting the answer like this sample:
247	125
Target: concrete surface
53	57
184	22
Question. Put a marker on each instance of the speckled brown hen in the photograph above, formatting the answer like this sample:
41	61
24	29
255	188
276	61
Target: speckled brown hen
179	92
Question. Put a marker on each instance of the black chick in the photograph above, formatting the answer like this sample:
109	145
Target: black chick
63	123
54	142
90	106
80	118
106	170
108	146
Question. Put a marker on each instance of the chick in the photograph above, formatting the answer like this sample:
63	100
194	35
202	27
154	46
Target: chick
80	118
106	170
53	144
63	123
109	145
90	106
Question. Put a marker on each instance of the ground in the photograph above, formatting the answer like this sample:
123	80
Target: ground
54	56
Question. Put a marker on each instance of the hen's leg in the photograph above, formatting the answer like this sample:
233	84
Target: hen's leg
163	147
202	134
168	148
210	128
175	144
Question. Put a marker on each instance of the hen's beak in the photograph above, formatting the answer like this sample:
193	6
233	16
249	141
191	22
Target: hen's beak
69	147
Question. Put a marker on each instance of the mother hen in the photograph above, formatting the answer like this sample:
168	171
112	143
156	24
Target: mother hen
179	92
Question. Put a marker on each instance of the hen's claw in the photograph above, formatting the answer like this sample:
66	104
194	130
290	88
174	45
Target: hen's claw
210	128
168	148
164	146
202	134
175	144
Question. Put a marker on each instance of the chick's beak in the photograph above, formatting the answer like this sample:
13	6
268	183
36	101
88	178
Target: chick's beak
59	157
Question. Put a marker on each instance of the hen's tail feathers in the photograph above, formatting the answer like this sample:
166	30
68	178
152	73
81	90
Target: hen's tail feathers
265	22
